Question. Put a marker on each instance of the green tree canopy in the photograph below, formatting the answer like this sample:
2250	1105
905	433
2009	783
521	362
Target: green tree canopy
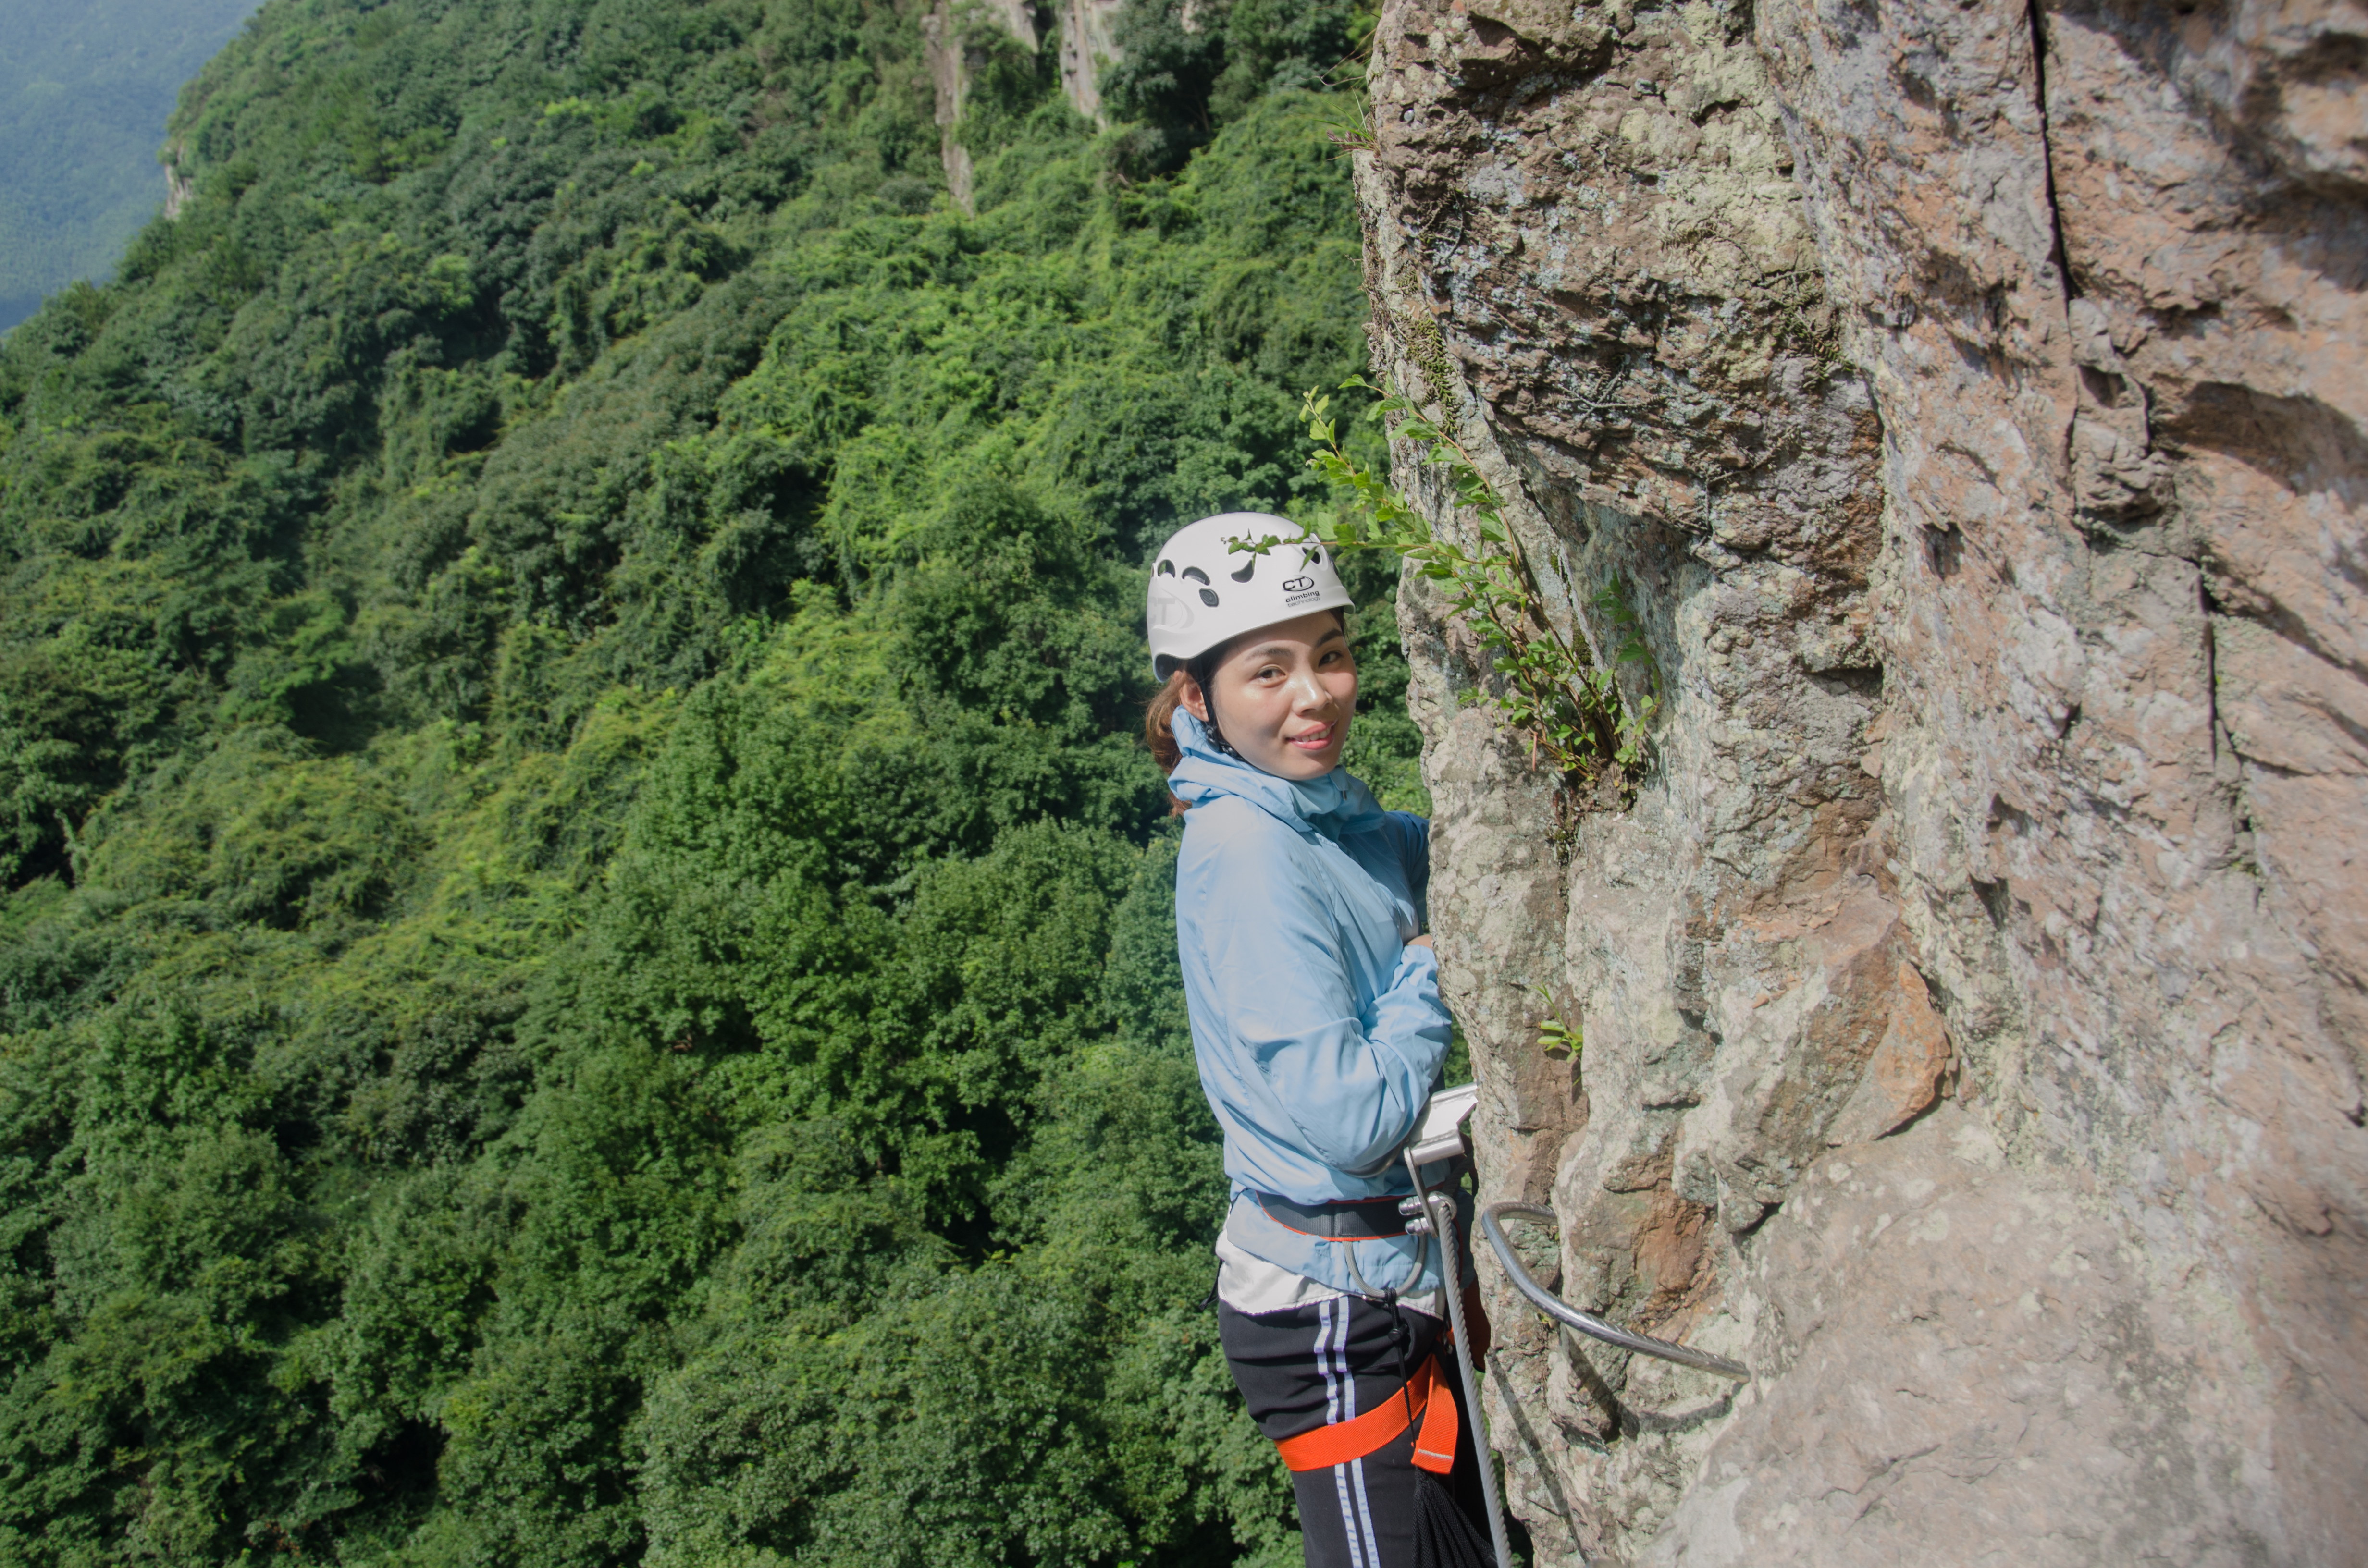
587	965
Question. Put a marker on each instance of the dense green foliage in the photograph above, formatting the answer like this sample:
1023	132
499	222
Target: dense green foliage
586	971
84	89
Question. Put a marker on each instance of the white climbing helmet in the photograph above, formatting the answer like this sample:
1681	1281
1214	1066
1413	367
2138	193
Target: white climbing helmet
1204	593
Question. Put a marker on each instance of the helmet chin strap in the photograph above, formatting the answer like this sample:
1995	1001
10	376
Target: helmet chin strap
1209	700
1203	673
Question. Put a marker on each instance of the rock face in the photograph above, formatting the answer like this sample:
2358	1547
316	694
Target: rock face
951	41
1088	31
1972	401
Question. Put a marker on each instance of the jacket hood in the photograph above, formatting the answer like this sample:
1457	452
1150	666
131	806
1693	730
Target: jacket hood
1335	804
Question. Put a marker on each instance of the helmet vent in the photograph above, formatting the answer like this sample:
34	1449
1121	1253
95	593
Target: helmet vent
1167	568
1244	575
1196	575
1209	597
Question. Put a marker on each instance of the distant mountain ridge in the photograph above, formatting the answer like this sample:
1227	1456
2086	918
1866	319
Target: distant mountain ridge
85	88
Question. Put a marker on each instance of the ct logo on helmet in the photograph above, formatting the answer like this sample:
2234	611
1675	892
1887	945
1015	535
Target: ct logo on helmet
1297	585
1168	613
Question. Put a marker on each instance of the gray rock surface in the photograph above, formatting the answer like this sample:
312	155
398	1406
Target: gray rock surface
1972	401
952	39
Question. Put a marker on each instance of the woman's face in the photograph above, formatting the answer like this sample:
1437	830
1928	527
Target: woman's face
1285	696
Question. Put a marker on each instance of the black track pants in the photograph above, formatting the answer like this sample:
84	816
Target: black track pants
1312	1365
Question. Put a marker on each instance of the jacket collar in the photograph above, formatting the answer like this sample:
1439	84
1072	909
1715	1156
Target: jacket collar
1332	805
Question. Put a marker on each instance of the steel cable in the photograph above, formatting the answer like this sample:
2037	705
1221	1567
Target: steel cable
1492	1226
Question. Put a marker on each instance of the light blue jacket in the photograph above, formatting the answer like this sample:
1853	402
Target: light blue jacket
1319	1033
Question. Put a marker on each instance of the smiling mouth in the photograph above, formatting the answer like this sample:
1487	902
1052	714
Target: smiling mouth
1316	739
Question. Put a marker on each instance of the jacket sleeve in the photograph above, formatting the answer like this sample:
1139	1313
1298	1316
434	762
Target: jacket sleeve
1351	1078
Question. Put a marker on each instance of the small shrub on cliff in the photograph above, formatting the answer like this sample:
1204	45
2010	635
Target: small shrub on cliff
1572	709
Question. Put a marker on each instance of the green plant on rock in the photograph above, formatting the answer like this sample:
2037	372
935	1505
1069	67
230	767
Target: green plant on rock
1555	1038
1572	709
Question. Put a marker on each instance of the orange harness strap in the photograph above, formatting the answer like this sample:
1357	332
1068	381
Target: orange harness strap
1434	1445
1346	1441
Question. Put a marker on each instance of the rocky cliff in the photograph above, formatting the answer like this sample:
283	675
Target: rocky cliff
954	34
1969	400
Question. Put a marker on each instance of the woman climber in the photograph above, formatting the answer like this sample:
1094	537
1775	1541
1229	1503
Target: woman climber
1317	1023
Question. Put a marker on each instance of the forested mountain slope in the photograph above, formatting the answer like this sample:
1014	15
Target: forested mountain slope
586	972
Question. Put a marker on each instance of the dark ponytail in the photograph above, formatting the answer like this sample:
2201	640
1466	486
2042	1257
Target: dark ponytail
1159	722
1160	719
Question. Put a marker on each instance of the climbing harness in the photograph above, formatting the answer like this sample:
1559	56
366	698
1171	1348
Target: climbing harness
1429	1212
1437	1136
1347	1219
1492	1225
1344	1442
